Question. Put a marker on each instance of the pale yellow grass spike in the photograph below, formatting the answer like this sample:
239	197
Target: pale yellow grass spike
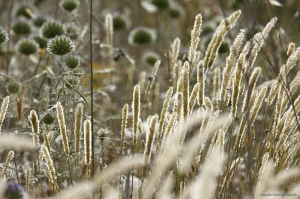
230	63
291	49
136	101
77	127
238	74
150	139
252	83
3	110
109	29
123	126
185	89
87	142
193	97
195	38
218	37
216	82
265	173
257	103
163	116
258	40
62	127
10	156
201	75
34	126
174	57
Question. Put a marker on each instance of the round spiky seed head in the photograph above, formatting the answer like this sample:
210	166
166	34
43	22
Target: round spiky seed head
25	11
39	21
150	58
161	4
141	36
48	118
121	22
40	40
175	10
69	5
72	30
72	61
13	190
3	35
21	27
27	46
60	45
71	82
52	29
13	87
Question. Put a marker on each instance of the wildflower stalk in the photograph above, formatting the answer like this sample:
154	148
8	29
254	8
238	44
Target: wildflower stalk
87	145
123	126
34	126
8	160
162	116
3	110
136	113
77	129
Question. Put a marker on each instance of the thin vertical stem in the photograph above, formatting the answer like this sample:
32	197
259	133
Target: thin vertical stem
8	42
91	86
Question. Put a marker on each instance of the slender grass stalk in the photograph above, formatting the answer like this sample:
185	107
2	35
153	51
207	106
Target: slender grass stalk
77	129
35	126
123	126
136	113
3	110
10	156
87	145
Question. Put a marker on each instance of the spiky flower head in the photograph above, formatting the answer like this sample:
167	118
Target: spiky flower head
13	87
60	45
71	82
69	5
40	40
14	191
121	22
48	118
141	36
39	21
72	30
52	29
3	35
72	61
21	27
161	4
24	10
175	11
27	46
150	58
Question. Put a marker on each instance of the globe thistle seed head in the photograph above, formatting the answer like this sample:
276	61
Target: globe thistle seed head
40	40
150	58
39	21
24	10
60	45
141	36
27	47
14	191
72	61
48	118
3	35
21	27
52	29
72	30
161	4
69	5
175	10
120	22
13	87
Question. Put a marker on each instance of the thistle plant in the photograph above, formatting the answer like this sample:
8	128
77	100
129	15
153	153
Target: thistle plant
27	47
219	119
60	45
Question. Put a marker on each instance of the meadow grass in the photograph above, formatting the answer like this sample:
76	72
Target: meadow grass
214	109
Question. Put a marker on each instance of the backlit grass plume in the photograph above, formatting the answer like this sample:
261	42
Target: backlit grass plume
3	110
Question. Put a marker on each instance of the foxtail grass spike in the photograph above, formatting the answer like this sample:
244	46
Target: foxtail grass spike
3	110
